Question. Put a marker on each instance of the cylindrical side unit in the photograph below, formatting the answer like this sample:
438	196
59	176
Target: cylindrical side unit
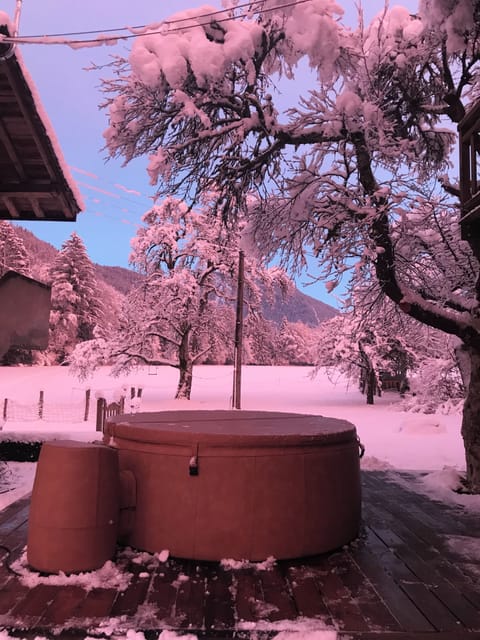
74	510
213	485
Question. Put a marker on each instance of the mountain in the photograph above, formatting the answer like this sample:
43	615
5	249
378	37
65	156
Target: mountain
298	307
38	250
117	277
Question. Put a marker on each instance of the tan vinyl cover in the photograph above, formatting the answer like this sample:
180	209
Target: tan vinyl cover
74	508
263	483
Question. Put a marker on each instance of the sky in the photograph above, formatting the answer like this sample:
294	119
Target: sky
115	196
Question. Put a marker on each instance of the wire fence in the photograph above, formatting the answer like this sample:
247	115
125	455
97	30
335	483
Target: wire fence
73	411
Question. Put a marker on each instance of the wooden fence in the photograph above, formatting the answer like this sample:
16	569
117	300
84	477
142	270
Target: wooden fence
107	410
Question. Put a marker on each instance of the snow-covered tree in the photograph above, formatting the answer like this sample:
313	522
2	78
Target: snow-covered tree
261	341
337	172
365	352
295	343
76	306
13	254
182	312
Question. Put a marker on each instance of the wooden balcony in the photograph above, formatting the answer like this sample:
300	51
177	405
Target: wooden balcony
469	143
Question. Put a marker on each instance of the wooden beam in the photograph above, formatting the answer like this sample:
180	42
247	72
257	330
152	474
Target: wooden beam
21	90
4	136
12	210
30	189
36	208
63	202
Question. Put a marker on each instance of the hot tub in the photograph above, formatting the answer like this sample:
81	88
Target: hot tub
209	485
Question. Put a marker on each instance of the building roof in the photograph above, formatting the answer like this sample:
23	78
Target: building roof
35	183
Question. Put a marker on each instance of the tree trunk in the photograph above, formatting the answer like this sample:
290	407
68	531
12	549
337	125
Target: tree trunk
464	363
368	377
185	365
371	385
471	423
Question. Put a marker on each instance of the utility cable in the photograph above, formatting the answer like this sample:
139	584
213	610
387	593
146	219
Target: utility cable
141	26
50	39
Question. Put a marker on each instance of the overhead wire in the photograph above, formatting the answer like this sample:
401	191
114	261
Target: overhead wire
141	26
48	39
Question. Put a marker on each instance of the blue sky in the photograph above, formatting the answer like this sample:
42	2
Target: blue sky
115	196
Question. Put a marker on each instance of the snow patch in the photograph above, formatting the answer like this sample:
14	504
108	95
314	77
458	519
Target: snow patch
467	547
110	576
231	564
446	478
422	425
371	463
299	629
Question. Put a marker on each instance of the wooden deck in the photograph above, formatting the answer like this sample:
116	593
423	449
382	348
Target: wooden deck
410	576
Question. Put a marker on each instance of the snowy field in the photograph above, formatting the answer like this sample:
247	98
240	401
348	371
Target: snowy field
393	440
391	437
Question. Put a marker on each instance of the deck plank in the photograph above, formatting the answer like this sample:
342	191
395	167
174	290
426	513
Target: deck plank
249	596
128	601
306	594
219	600
190	603
162	593
97	605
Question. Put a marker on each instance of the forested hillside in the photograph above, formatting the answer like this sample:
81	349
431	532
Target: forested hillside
297	307
102	314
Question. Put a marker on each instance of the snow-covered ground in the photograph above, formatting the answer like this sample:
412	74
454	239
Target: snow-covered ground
392	438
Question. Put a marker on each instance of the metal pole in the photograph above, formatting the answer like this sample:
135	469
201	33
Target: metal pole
237	354
7	52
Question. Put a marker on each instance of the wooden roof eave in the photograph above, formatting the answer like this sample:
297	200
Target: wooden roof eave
48	195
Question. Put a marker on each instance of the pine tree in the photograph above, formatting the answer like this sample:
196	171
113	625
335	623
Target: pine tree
13	255
76	307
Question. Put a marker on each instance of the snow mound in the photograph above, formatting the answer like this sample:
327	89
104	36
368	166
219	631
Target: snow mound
371	463
467	547
422	426
110	576
446	478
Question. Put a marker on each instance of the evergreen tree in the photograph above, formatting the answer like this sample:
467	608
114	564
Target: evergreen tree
76	307
13	255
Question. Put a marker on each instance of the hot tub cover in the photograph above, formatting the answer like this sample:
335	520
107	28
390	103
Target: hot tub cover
229	427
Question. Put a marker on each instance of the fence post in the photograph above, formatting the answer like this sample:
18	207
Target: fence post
87	404
40	405
5	405
101	404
